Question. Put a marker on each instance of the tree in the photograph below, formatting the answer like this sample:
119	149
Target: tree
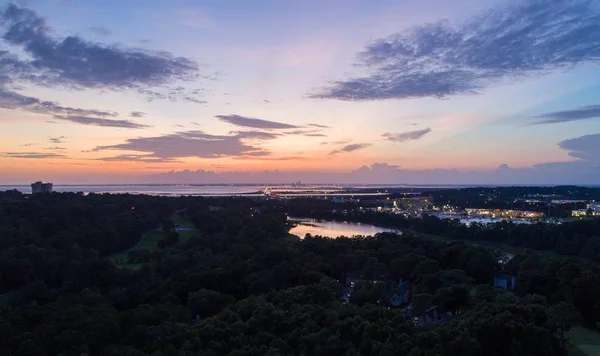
205	302
563	316
420	303
454	298
168	226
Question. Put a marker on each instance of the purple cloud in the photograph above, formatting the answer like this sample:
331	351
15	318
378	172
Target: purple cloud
351	148
94	121
406	136
438	60
244	121
583	113
196	144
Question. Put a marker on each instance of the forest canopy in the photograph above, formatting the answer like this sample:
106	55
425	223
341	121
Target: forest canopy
243	286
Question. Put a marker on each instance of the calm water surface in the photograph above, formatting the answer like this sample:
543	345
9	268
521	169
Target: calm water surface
334	228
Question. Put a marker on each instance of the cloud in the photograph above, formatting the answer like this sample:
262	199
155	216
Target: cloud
32	155
586	112
138	158
194	100
315	135
351	148
303	132
320	126
94	121
29	144
256	135
254	123
286	158
100	30
15	101
507	43
406	136
585	148
137	114
196	144
60	139
340	142
73	62
54	148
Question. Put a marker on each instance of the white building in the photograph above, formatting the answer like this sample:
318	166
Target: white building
39	187
592	209
595	207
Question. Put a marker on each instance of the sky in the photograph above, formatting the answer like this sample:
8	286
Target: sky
268	91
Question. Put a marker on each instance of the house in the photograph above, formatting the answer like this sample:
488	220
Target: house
403	294
504	281
433	316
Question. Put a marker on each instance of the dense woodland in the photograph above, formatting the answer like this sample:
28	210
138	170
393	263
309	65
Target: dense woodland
244	286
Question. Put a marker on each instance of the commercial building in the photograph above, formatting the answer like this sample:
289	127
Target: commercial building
39	187
504	214
592	209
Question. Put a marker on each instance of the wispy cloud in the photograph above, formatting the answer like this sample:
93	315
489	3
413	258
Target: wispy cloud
94	121
320	126
74	62
406	136
35	155
100	30
55	148
59	139
258	158
29	144
196	144
340	142
315	135
586	112
254	123
138	158
442	59
137	114
15	101
351	148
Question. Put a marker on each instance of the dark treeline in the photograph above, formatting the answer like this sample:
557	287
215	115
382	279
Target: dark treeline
243	286
55	237
577	238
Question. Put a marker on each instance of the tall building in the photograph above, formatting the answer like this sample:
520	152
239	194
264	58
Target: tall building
39	187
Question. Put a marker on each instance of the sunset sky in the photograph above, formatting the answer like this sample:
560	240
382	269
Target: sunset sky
373	91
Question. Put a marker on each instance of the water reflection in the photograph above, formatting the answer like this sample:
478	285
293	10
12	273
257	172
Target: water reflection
334	229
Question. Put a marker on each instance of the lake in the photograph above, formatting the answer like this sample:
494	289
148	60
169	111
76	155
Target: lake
334	228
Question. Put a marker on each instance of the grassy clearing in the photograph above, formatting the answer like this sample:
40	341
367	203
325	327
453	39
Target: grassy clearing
584	342
184	227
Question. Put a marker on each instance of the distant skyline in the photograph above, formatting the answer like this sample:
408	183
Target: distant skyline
403	92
